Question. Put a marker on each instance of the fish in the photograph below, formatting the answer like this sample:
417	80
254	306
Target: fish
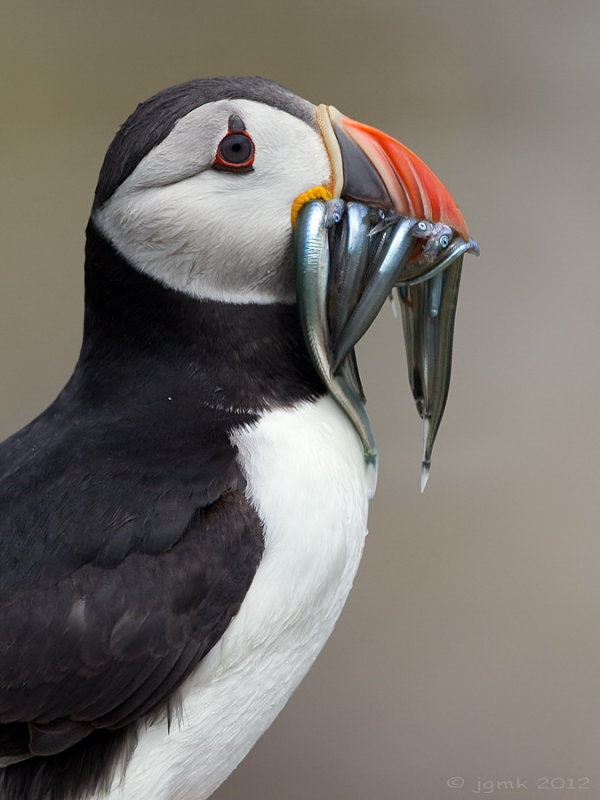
349	258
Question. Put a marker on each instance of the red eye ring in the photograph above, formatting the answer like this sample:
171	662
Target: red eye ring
235	152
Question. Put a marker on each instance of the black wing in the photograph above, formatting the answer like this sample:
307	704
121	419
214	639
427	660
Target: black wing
124	554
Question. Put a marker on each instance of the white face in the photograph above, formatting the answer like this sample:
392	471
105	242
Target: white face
214	234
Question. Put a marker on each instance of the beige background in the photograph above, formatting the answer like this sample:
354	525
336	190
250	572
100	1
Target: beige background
471	643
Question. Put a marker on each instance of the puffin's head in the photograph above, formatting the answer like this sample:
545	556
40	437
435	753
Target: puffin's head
202	187
198	186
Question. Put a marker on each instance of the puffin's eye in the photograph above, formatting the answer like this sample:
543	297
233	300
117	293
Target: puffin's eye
235	152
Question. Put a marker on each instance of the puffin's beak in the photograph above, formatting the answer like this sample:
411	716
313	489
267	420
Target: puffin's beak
400	229
381	172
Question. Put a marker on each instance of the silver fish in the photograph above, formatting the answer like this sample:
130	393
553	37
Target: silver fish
313	268
349	259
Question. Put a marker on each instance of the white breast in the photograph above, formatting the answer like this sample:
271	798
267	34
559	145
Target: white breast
306	478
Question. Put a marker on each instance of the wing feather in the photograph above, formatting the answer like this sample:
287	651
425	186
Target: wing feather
116	581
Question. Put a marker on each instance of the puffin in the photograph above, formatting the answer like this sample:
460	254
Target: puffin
181	527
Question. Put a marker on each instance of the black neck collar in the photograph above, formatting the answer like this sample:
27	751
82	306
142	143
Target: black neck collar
144	339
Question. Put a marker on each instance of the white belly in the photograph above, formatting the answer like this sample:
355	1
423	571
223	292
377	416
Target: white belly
307	479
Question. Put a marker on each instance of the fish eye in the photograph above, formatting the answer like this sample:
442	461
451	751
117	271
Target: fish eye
444	241
235	152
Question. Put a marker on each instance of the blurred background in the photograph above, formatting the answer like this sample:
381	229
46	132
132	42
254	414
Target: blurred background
470	647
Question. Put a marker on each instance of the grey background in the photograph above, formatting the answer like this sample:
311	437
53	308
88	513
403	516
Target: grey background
471	642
